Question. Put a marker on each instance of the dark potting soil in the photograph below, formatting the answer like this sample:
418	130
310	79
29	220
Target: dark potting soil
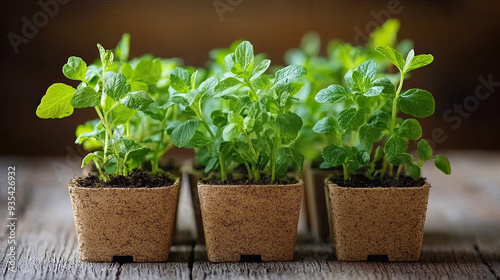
136	179
361	181
246	181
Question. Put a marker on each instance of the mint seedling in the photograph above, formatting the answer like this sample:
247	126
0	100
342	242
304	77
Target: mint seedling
372	119
251	125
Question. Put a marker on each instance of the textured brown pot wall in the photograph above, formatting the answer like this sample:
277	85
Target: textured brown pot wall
137	222
377	221
250	220
193	177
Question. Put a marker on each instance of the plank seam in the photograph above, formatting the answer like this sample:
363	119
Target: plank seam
490	268
191	261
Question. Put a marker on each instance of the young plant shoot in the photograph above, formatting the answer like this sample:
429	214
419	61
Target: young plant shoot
371	121
252	126
115	103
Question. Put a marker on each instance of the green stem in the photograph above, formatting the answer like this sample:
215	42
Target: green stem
223	172
394	116
384	168
400	168
254	94
346	174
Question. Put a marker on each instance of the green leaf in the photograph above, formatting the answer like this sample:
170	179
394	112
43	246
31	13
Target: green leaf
414	171
183	133
417	102
442	164
244	54
92	156
392	55
116	87
149	71
395	146
289	124
56	103
93	74
111	165
371	133
420	61
367	69
388	86
230	132
335	155
260	69
374	91
332	94
410	129
424	150
137	100
289	74
120	115
207	87
226	87
409	59
351	119
85	97
122	50
75	69
106	57
178	84
297	157
281	162
327	125
363	157
401	159
133	150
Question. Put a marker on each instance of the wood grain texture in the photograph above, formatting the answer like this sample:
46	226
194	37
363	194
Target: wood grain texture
461	241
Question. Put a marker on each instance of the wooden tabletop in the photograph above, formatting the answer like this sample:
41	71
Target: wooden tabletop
461	241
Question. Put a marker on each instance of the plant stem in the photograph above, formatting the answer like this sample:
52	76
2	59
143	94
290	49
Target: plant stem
223	172
393	119
346	174
253	93
400	168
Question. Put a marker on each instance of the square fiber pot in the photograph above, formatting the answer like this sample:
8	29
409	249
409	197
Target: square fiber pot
124	222
377	223
257	222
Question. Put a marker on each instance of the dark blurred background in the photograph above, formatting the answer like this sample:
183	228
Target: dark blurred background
463	36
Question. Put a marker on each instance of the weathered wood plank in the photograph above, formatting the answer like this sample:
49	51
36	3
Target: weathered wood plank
462	239
489	250
443	257
47	247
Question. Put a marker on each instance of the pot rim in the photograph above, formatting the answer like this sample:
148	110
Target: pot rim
73	184
330	184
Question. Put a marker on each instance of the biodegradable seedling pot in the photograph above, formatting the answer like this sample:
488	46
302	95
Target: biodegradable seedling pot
254	221
124	222
377	223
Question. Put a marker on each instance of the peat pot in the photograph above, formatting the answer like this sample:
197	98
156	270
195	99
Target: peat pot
135	224
250	222
377	223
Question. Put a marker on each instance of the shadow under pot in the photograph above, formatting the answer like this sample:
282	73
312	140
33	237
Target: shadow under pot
377	224
250	222
132	224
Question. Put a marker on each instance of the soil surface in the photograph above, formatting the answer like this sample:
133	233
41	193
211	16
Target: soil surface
246	181
136	179
360	181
